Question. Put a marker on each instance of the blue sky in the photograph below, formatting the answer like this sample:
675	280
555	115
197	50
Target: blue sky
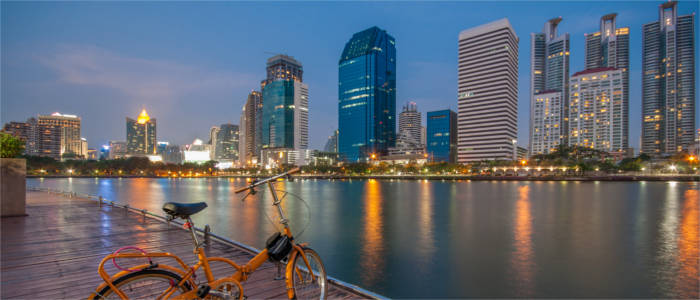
191	65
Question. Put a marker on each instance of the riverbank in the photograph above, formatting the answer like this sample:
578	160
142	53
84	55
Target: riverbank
621	177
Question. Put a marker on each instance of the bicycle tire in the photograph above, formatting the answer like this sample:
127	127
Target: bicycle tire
162	276
304	287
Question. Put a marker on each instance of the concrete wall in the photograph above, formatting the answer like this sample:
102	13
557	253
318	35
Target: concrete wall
13	187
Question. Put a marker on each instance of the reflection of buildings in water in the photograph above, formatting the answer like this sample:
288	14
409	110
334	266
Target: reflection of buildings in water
426	240
666	256
687	285
372	245
523	255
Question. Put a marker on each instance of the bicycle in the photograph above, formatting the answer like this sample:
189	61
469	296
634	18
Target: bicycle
305	275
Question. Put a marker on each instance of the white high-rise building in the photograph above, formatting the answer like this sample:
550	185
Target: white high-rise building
301	115
487	121
596	110
410	123
546	117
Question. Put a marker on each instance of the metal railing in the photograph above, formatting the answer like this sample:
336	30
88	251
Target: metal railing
206	233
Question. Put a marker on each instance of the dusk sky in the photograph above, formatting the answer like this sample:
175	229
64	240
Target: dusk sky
191	66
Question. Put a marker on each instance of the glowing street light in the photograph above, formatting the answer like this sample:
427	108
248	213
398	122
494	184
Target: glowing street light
672	168
70	171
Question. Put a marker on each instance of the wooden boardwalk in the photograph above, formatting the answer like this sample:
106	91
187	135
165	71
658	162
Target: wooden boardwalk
54	252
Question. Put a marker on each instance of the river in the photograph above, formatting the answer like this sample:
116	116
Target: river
410	238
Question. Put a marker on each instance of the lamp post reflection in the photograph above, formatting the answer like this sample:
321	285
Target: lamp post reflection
522	260
372	245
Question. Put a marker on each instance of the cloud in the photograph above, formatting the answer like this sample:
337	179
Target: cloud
142	80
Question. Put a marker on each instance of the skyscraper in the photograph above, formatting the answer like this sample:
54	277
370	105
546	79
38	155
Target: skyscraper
442	135
367	95
332	143
213	133
141	135
487	80
68	139
410	123
549	86
668	82
285	112
610	48
248	148
595	111
227	139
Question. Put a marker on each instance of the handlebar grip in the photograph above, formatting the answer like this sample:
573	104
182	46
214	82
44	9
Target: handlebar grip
292	171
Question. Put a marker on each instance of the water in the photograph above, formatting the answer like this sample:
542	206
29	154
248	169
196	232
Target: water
413	239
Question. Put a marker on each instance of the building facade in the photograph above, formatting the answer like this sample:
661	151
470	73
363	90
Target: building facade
547	116
549	86
596	110
441	135
410	123
117	149
60	135
227	139
487	117
248	138
332	143
610	48
367	95
285	112
668	82
141	135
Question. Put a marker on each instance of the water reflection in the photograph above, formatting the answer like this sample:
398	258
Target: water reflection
522	260
688	281
426	239
372	257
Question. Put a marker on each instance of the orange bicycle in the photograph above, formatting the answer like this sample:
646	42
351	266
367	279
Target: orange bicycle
305	274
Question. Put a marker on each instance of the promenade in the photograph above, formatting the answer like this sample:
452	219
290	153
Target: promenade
54	251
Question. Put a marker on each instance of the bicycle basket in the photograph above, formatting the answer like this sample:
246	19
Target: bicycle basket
278	246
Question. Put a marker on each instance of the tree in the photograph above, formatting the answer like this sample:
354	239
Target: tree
10	146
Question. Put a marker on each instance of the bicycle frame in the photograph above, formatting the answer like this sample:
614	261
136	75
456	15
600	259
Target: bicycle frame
187	272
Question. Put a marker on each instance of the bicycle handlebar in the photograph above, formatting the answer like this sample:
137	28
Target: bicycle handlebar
257	183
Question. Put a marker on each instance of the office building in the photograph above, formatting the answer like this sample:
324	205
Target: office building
227	139
248	138
213	133
117	149
487	117
141	135
60	135
442	136
83	148
285	108
668	82
596	110
367	95
549	86
410	124
332	143
610	48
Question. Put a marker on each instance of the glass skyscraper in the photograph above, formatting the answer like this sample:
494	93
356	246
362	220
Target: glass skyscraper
141	134
668	82
442	135
367	95
285	105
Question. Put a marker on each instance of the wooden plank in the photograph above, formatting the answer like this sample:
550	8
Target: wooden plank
54	252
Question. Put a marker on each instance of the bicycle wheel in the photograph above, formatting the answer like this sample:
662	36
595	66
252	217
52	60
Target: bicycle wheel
144	284
306	287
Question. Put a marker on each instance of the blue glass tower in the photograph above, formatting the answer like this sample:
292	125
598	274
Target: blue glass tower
367	95
442	135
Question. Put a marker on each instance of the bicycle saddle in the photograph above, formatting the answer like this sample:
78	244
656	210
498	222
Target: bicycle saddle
183	210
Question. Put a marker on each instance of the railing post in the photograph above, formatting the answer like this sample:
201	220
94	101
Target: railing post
100	200
126	209
207	237
143	213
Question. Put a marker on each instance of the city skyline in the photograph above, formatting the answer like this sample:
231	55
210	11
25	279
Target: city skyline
65	62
